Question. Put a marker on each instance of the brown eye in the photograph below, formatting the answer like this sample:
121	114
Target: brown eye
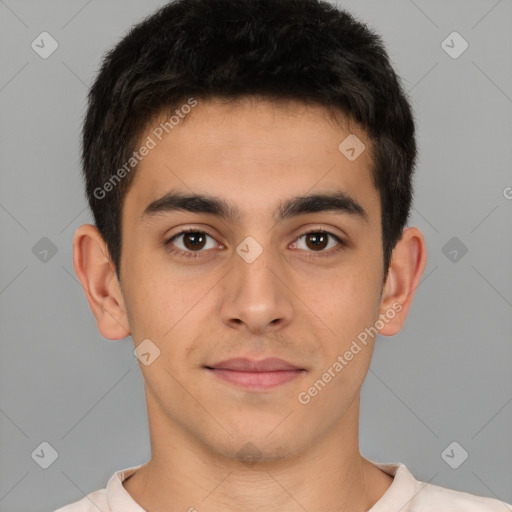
322	242
317	241
191	242
194	241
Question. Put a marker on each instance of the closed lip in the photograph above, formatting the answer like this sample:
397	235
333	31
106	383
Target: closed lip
242	364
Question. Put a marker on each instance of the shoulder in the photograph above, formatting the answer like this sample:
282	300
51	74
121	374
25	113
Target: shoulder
410	495
432	498
113	498
94	502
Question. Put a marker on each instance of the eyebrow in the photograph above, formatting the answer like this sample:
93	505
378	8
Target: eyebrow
338	201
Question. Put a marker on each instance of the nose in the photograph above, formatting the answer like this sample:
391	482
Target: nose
257	296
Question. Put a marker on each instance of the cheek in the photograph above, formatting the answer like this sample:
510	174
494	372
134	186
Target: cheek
147	300
348	306
346	301
160	304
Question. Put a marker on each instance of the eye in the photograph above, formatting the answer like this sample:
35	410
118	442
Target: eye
191	241
318	241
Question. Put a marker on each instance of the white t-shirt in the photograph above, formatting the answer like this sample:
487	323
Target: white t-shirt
406	494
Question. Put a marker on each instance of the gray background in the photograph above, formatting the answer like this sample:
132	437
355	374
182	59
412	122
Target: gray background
447	377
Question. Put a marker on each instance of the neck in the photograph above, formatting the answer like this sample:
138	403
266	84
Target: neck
184	474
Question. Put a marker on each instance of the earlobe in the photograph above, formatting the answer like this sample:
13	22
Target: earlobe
97	275
406	268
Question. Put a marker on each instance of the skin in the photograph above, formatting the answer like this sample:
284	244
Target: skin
296	301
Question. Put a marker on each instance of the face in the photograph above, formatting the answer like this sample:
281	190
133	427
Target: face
253	268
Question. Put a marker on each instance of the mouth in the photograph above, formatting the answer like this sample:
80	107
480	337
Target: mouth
256	375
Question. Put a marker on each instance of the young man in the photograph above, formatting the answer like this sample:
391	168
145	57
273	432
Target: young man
248	164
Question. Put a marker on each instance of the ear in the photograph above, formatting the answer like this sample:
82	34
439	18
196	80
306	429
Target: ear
406	268
96	272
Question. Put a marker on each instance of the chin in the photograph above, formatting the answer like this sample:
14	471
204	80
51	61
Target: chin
254	449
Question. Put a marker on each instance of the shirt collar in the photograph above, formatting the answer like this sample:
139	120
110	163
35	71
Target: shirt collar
397	497
401	491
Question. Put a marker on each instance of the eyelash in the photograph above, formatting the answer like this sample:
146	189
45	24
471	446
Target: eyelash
196	254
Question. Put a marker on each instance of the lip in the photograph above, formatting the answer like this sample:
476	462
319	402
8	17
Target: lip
256	375
243	364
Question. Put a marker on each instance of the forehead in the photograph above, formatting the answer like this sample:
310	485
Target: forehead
253	152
